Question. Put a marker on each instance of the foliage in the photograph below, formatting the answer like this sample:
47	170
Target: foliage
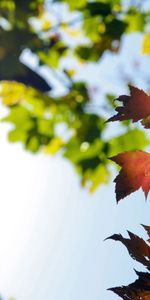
130	179
64	123
139	250
87	31
134	173
135	107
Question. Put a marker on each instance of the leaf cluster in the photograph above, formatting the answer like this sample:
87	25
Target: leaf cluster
93	27
134	173
139	250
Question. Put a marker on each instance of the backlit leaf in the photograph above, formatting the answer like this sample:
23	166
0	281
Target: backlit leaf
135	173
139	290
139	250
136	246
135	107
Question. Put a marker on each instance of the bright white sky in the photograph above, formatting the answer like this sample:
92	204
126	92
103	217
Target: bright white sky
52	231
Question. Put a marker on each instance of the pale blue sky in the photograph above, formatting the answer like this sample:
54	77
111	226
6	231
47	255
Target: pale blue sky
51	230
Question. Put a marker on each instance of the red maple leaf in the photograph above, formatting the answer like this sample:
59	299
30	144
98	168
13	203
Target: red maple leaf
135	107
134	173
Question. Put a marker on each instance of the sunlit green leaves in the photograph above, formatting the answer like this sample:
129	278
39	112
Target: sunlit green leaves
13	92
136	20
93	179
35	115
98	8
90	161
74	5
51	57
54	145
34	118
132	140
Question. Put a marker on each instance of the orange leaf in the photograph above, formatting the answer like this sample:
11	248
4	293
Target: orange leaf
135	173
135	107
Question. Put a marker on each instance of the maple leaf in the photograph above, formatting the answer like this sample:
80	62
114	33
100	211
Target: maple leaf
136	246
135	107
138	290
134	173
140	251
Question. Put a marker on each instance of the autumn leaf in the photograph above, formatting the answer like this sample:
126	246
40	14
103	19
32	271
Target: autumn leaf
138	290
134	173
135	107
140	251
136	246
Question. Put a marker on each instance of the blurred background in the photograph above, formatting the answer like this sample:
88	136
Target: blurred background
62	64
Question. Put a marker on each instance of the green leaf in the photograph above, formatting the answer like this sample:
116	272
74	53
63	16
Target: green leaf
136	21
98	8
94	179
131	140
115	28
